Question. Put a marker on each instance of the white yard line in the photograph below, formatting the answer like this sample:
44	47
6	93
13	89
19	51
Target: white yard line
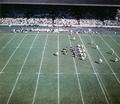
12	54
58	71
96	74
115	41
108	45
21	70
76	70
7	43
108	64
40	66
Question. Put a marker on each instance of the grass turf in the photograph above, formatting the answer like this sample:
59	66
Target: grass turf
29	70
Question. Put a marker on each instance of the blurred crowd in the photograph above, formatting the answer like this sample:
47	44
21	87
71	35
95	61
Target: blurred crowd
25	21
111	23
58	22
59	15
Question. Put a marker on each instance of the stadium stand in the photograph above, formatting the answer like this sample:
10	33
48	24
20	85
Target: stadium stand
61	17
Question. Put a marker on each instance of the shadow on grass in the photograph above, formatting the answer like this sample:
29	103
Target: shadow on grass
96	62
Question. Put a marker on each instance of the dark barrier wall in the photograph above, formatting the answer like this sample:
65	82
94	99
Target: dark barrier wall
71	2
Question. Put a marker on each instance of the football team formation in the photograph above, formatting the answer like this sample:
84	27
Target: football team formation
30	72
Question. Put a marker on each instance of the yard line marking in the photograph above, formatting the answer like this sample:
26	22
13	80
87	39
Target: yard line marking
39	73
97	74
36	87
108	45
13	54
19	73
108	64
106	73
77	75
58	71
21	70
115	41
7	43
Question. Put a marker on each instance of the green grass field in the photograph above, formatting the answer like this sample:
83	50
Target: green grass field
31	74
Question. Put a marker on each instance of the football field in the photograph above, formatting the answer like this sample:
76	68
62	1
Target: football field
31	74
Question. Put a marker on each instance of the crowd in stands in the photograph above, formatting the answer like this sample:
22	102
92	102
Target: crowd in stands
90	22
25	21
65	22
111	23
57	22
59	16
